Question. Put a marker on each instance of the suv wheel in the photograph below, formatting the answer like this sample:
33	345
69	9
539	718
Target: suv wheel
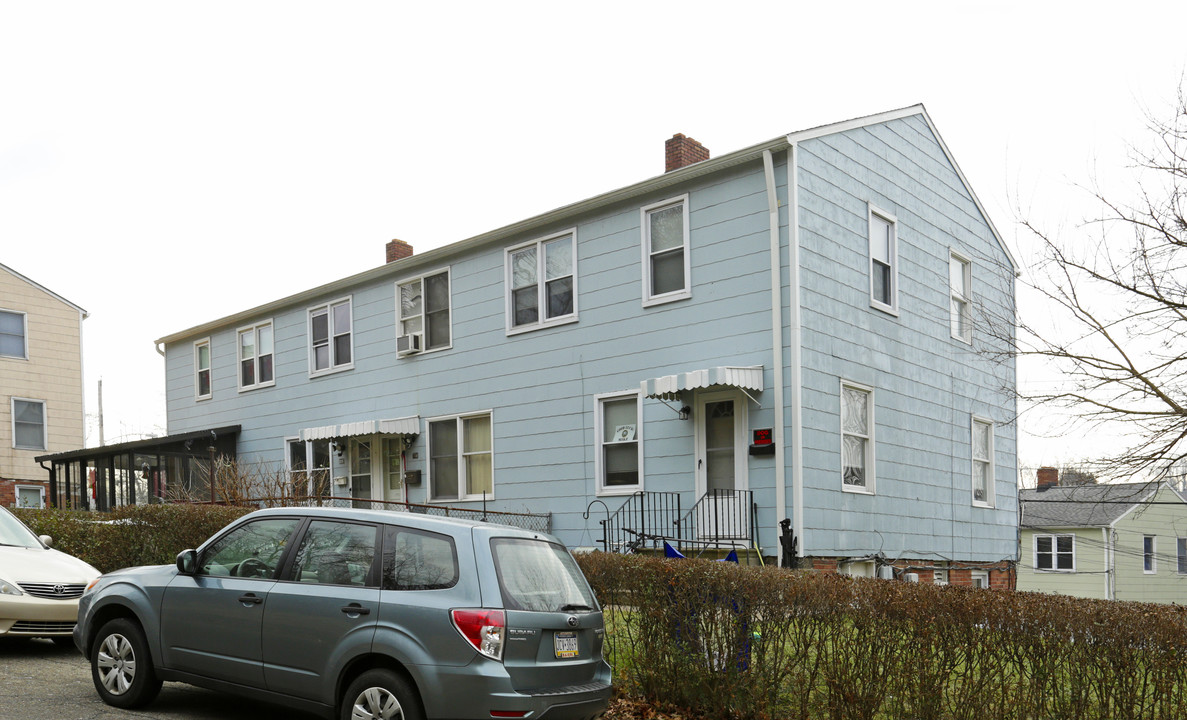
121	667
380	695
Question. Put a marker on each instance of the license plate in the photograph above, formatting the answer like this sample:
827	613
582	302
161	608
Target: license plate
565	644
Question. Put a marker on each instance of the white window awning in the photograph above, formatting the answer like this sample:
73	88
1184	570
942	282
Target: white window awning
398	426
670	387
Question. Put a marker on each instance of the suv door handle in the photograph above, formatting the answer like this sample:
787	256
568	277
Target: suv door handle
250	599
355	609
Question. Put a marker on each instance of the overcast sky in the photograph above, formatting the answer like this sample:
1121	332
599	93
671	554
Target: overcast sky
166	164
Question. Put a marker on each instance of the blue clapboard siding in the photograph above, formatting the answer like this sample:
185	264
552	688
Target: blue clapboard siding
540	385
926	384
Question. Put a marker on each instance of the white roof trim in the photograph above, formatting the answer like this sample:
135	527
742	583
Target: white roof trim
398	426
669	387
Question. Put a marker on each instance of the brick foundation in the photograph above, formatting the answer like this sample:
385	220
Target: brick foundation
1001	574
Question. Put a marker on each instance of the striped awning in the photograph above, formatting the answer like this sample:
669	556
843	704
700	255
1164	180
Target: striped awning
669	387
398	426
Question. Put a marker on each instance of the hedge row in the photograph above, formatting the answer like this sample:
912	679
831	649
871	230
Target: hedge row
725	641
130	535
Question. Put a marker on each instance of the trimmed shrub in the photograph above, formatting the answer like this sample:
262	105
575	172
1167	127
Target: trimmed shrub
131	535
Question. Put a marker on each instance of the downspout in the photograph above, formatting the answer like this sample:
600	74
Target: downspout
768	165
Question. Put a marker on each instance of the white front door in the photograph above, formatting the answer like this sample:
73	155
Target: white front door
721	455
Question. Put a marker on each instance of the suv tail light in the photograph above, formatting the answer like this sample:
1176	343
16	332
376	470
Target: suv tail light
484	629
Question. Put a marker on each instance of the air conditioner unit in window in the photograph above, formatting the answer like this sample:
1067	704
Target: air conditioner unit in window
409	344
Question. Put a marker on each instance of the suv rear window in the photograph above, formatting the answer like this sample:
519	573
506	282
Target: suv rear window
539	576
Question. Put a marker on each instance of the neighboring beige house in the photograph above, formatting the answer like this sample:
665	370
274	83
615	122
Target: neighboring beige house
41	398
1125	541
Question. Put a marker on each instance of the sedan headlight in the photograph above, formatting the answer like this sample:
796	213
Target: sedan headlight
9	588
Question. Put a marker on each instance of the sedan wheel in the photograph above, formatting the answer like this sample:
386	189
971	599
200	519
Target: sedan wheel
121	667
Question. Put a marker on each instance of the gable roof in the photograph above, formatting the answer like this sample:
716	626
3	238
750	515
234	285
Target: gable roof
43	288
438	256
1067	506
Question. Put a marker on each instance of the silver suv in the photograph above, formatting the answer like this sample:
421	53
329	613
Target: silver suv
357	614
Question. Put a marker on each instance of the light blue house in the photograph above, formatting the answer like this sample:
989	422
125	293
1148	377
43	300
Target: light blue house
793	330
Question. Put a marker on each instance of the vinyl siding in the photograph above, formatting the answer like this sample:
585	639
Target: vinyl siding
1165	522
1088	581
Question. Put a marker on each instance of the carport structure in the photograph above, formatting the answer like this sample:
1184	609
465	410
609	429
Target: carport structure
140	471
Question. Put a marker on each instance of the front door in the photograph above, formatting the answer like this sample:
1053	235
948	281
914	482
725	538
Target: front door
721	465
376	473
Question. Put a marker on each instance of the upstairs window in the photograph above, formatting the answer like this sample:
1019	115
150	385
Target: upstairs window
959	281
330	338
28	424
665	252
857	438
1055	553
423	308
255	356
883	261
541	283
202	388
12	335
983	490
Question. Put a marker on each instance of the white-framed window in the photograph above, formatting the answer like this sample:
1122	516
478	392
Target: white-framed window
461	457
541	278
255	356
857	437
960	282
618	434
202	387
308	466
983	470
30	496
980	578
939	576
1149	554
883	261
28	424
666	270
1055	553
423	307
13	335
331	341
1181	555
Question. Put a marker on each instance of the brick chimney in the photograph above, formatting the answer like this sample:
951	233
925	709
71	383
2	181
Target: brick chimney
681	151
1047	477
398	250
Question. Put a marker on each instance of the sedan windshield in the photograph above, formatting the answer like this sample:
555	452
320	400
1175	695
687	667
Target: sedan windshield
13	532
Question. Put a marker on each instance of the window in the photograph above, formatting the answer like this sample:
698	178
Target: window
665	252
1149	561
202	389
619	452
1181	549
460	458
252	550
939	576
960	276
30	496
28	424
255	355
418	560
309	468
541	283
883	261
423	307
980	578
983	473
330	343
857	438
336	553
12	335
1055	553
539	576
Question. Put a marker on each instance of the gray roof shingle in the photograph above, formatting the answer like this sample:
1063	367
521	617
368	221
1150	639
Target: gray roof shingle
1080	505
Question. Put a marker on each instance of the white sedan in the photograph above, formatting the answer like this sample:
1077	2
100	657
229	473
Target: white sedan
39	587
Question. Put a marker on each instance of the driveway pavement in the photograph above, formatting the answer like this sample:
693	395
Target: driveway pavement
41	680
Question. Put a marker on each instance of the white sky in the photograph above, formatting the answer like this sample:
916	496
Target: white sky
165	164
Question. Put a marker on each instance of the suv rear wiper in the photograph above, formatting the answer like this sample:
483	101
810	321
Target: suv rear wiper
570	607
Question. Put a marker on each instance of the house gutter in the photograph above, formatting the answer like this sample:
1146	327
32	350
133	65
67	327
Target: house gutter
768	166
797	419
